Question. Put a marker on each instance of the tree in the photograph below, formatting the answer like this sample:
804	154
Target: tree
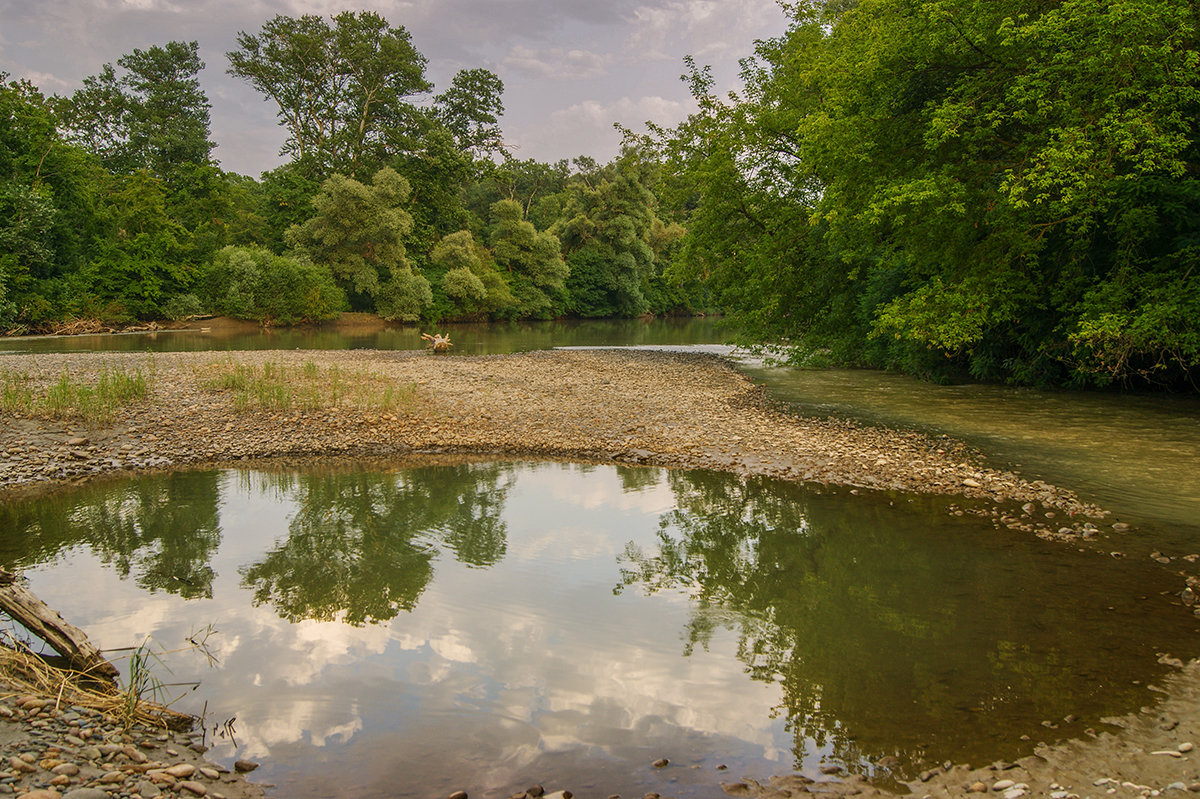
253	283
533	261
154	116
358	231
471	109
1000	187
470	278
342	90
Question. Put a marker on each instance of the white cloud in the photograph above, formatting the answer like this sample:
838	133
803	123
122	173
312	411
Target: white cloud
556	63
703	28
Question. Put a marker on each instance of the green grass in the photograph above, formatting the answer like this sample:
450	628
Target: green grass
309	387
71	397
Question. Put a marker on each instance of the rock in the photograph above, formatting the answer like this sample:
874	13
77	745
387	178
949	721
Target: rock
831	768
210	773
148	790
458	795
1003	785
244	766
1177	786
68	769
977	787
535	791
194	788
560	795
88	793
112	777
971	482
19	765
181	770
42	793
662	762
1186	746
1121	527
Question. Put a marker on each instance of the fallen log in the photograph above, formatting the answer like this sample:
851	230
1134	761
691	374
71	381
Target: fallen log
63	637
438	342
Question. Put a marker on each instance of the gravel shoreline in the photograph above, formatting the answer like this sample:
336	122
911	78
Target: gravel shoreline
664	409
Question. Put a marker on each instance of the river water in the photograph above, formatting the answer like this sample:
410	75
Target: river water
414	629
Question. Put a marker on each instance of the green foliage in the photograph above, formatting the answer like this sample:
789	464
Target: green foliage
471	280
253	283
153	117
342	90
531	260
471	109
359	231
1001	185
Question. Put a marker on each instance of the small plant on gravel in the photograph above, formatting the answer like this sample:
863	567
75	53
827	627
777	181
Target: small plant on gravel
278	386
72	397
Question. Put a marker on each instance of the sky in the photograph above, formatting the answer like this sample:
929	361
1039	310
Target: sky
571	68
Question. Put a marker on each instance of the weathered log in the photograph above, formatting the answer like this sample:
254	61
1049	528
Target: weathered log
63	637
438	342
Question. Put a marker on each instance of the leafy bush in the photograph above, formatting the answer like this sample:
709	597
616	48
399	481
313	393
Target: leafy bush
253	283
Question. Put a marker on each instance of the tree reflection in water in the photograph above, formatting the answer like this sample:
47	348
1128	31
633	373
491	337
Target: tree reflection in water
889	630
163	530
361	545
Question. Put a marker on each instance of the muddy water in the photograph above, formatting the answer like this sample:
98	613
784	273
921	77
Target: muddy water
1136	454
411	631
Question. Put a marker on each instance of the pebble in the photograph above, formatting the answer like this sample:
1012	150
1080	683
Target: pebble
662	762
246	766
1186	746
1003	785
458	795
87	793
181	770
193	787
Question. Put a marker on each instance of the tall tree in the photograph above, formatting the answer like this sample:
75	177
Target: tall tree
471	109
343	90
1002	187
152	116
532	259
359	231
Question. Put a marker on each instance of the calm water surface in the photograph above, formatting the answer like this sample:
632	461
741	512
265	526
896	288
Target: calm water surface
469	339
410	631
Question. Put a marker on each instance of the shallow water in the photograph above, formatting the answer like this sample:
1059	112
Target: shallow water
1138	455
469	339
410	631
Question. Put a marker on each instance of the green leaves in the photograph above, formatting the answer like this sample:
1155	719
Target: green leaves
342	90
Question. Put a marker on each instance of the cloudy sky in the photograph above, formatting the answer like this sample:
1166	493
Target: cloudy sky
570	68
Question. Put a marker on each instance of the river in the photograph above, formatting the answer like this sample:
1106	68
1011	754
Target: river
414	629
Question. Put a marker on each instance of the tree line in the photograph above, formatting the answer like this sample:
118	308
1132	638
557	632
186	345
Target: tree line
395	199
1005	190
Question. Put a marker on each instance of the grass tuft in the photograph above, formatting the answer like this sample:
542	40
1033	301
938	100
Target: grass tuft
277	386
69	396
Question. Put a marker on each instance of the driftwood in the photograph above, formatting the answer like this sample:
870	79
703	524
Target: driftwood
438	342
65	638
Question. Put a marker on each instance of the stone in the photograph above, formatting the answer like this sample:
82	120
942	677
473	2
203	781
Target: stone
1003	785
535	791
86	793
194	788
181	770
19	765
458	795
244	766
977	787
1186	746
68	769
210	773
971	482
1121	527
560	795
42	793
113	777
148	789
662	762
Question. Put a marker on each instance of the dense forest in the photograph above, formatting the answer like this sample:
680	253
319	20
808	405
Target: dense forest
1001	190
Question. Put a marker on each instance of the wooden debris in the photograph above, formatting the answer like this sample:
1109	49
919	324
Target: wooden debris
438	342
65	638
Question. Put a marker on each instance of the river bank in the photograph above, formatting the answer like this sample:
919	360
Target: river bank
632	407
672	410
